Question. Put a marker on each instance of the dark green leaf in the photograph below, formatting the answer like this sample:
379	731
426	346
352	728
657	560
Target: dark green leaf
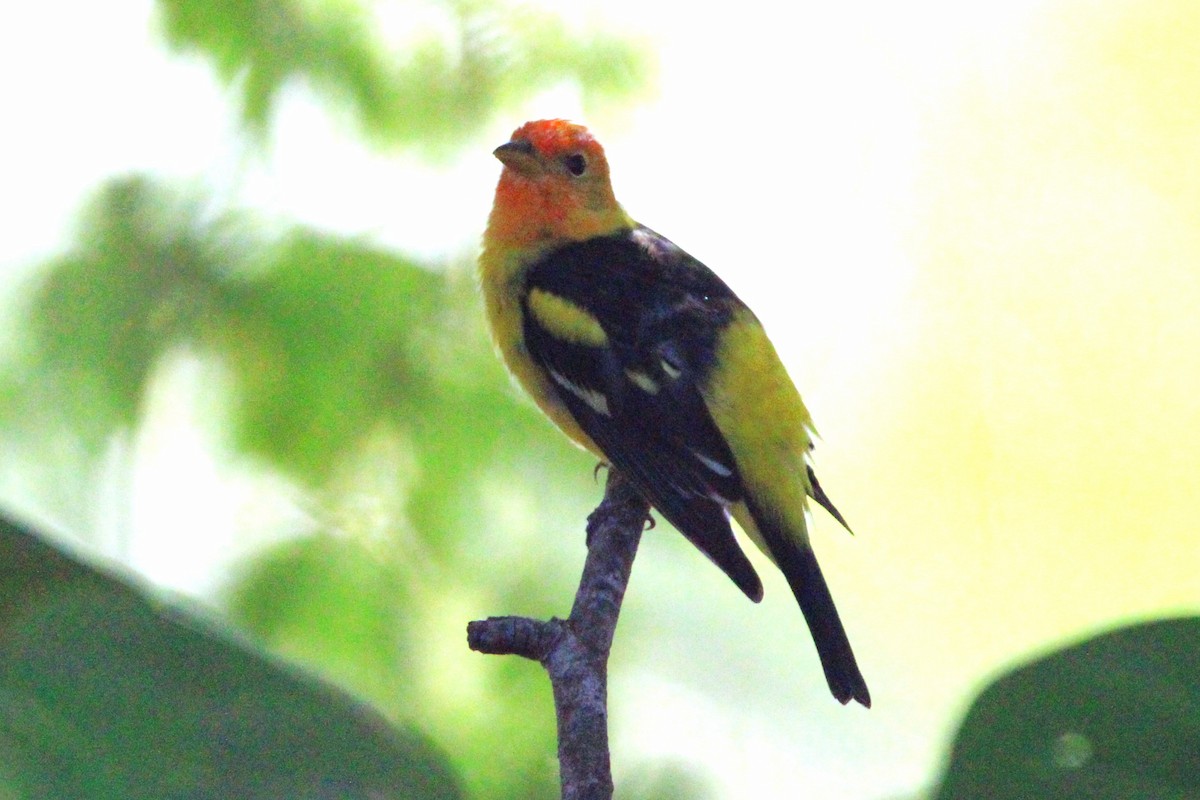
106	693
1113	718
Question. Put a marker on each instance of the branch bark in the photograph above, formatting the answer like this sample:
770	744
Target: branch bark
575	651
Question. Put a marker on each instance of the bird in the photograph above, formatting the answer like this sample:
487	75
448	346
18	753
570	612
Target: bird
644	357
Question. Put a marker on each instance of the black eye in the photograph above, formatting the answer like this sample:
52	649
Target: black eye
576	164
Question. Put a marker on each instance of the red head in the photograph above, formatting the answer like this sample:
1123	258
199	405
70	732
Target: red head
554	187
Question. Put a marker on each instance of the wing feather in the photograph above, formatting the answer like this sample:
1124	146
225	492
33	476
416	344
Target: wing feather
634	391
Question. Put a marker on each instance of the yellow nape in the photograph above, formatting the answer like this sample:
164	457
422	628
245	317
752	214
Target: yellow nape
566	320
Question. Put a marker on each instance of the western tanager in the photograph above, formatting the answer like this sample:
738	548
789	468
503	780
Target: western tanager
644	357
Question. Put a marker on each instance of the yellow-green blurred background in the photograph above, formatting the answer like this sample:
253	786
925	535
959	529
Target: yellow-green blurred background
244	356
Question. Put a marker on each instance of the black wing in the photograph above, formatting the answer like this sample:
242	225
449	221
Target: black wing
636	396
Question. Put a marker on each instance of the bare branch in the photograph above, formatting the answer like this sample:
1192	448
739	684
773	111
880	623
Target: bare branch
575	651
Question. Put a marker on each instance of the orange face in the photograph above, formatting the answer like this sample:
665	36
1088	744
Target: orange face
554	187
558	138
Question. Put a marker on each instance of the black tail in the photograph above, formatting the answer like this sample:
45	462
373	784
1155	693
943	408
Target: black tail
841	670
799	566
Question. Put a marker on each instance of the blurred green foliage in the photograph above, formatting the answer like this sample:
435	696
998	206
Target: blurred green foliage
665	781
359	615
139	280
468	60
332	347
1112	718
109	693
364	376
